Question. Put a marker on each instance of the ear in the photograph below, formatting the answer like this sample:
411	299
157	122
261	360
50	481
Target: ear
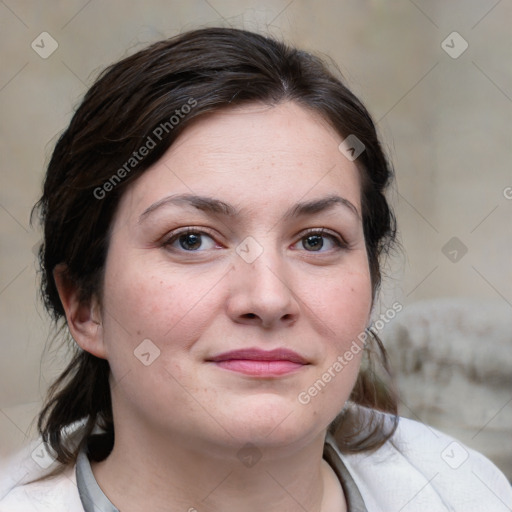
83	319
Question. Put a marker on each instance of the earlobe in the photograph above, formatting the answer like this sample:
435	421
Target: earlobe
83	318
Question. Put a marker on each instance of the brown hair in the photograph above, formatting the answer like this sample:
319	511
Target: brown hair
155	94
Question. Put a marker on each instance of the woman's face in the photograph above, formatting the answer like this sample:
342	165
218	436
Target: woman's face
236	278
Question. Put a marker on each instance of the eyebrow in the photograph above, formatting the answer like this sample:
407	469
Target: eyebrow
321	205
206	204
218	207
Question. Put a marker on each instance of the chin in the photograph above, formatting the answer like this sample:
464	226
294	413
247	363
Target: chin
272	421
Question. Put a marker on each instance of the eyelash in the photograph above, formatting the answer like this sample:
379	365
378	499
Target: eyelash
338	241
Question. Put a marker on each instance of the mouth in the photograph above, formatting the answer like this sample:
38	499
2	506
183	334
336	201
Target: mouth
260	363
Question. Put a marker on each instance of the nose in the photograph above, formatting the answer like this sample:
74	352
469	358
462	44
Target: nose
261	293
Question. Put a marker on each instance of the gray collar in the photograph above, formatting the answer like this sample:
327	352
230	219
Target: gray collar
332	455
94	499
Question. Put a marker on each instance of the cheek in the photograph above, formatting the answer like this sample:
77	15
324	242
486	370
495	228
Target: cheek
344	307
344	304
153	304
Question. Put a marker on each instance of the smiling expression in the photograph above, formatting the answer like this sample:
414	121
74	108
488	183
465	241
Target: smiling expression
240	256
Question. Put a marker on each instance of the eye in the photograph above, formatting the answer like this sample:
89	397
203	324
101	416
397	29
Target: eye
190	240
318	240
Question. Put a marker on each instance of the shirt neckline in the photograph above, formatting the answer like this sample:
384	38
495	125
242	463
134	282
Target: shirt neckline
94	499
332	455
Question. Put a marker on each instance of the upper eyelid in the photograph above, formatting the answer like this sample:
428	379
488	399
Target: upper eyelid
326	232
188	229
319	231
209	231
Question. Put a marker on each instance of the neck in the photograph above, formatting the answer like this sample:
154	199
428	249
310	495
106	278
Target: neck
165	476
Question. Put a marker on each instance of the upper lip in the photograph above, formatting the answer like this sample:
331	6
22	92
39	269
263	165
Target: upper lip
256	354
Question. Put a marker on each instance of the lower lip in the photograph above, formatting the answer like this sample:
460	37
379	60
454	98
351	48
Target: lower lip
260	368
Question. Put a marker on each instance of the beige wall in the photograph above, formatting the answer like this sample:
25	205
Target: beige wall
446	122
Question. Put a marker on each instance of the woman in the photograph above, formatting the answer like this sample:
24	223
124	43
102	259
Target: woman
213	221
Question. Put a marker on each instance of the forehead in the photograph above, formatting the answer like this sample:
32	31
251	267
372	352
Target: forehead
250	155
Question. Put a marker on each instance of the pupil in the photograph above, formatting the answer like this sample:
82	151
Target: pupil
190	241
314	242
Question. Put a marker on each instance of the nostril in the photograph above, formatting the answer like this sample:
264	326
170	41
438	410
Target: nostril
249	315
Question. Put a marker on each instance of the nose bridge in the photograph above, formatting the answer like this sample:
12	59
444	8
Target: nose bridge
269	276
262	287
267	273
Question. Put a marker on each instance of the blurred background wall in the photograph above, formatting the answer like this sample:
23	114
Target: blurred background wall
437	78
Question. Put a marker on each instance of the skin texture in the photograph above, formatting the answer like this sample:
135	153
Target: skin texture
181	421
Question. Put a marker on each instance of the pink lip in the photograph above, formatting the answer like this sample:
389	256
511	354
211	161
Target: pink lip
263	363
